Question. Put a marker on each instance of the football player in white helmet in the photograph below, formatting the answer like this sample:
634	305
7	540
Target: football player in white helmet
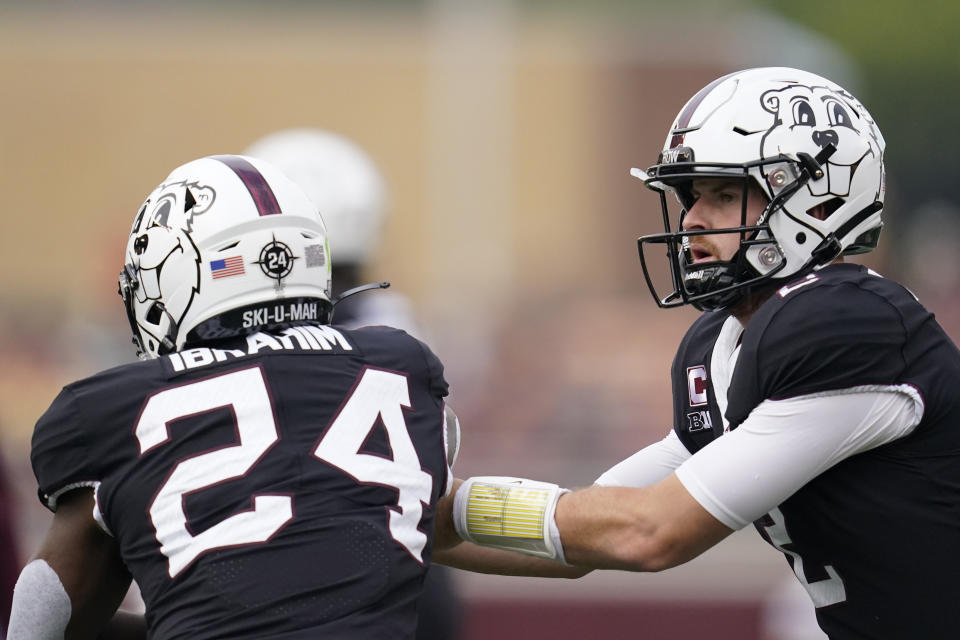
347	187
259	473
800	142
811	398
194	241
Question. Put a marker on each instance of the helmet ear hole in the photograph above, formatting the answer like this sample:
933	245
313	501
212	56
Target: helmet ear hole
154	314
825	209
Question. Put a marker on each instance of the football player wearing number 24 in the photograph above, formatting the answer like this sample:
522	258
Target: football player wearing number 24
261	472
813	397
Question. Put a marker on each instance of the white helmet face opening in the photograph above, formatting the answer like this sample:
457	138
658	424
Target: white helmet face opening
811	147
224	245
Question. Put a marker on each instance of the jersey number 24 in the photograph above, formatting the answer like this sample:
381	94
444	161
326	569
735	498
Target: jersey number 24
378	393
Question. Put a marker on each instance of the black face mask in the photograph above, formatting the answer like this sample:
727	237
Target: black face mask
716	285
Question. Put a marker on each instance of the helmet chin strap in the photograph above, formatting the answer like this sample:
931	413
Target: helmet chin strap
168	343
824	253
716	283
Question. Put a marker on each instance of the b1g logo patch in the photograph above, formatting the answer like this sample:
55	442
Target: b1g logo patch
276	260
699	421
697	385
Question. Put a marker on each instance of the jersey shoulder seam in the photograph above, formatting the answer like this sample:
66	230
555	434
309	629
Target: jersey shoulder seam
833	285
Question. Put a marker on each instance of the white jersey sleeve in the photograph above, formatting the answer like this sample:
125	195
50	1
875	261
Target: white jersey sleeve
647	466
784	444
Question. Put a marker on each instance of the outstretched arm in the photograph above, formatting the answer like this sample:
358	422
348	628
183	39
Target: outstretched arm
646	467
75	582
637	529
728	484
734	480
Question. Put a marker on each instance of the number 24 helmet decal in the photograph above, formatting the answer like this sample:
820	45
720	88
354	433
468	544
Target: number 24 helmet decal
807	143
224	244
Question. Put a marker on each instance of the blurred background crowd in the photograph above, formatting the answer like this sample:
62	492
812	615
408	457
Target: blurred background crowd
504	131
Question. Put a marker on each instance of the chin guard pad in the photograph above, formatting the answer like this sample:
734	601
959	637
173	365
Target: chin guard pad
514	514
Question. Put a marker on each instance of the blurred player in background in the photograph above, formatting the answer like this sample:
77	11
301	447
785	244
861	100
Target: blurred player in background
259	473
346	186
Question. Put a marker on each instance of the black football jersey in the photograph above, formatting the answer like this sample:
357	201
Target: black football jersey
875	539
281	485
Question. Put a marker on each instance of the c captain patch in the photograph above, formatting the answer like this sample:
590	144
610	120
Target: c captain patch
697	385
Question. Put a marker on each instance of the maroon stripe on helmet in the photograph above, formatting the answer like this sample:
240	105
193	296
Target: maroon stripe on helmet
684	120
255	183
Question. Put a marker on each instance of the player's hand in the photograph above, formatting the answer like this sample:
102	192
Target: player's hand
444	532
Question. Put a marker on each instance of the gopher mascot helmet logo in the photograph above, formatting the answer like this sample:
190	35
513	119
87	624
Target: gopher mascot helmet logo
811	117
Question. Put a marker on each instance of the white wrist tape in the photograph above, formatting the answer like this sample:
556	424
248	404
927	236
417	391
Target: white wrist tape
515	514
41	607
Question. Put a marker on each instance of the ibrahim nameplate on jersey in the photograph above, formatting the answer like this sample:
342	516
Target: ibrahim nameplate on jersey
875	537
277	482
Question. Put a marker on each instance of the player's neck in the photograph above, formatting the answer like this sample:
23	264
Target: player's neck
743	311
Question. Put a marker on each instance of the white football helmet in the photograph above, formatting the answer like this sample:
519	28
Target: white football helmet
226	244
341	180
809	145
